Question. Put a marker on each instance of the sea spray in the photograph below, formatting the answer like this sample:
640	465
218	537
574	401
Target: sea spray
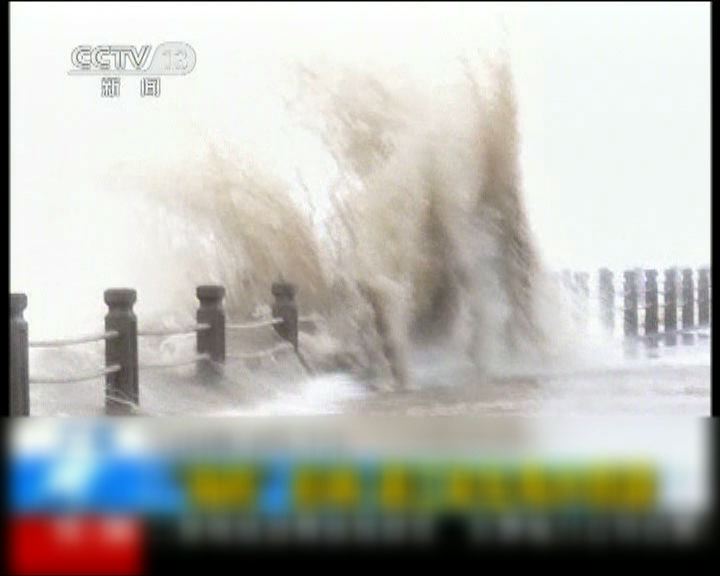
395	206
424	239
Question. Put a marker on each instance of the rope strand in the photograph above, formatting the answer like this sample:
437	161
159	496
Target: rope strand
175	331
71	341
253	325
77	378
261	353
173	364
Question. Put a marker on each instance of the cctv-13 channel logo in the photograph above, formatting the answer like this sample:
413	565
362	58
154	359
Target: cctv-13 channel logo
111	62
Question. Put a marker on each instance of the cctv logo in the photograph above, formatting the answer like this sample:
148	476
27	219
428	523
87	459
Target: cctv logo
110	57
169	59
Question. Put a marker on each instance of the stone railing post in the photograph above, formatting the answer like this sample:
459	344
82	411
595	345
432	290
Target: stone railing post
212	312
670	311
122	391
630	304
651	305
19	375
688	305
703	285
606	288
285	308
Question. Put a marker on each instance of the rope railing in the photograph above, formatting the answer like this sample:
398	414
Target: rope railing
682	311
72	341
77	378
261	353
187	331
256	324
174	363
128	405
121	351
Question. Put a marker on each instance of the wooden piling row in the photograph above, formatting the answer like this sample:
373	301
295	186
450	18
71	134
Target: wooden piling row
641	306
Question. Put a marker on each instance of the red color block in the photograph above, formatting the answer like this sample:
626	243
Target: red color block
75	545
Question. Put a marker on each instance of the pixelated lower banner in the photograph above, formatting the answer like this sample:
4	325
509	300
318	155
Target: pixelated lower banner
111	483
348	465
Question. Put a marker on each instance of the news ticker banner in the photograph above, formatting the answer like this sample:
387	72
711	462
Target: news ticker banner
342	466
285	486
109	486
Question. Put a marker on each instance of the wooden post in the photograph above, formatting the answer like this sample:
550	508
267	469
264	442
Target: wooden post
640	283
19	376
581	282
670	313
211	311
285	308
651	306
688	304
121	388
606	288
630	303
582	291
704	297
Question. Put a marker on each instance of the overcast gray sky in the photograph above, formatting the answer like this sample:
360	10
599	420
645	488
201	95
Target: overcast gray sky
614	103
